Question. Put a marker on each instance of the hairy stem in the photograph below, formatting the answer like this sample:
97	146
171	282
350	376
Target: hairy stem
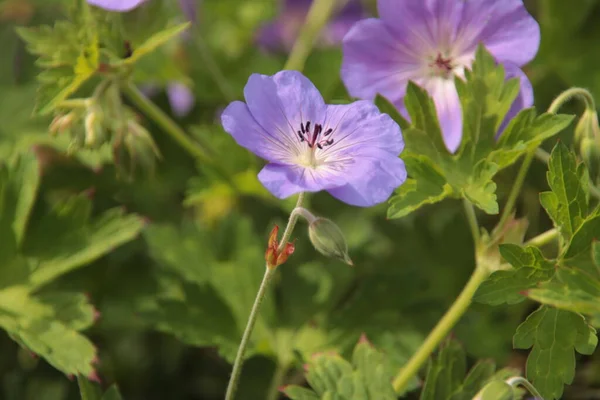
515	191
519	380
318	15
441	330
262	290
569	94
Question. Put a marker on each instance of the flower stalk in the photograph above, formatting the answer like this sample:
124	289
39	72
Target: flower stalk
260	295
441	330
519	380
318	15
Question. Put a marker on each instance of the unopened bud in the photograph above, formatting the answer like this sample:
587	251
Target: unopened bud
94	130
496	390
587	125
61	123
328	239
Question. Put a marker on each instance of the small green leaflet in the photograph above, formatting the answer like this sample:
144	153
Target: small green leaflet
553	336
91	391
447	377
154	41
567	203
435	173
507	286
69	53
332	377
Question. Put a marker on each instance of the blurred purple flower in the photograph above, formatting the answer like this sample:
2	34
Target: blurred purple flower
349	150
180	96
281	33
116	5
432	41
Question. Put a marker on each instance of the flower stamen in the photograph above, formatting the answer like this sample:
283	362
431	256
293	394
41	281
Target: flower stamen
313	140
442	66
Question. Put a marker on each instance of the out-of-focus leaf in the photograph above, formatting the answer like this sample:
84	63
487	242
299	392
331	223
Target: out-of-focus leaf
330	376
507	286
156	40
553	336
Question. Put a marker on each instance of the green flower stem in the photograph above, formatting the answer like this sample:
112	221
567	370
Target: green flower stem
515	191
166	123
318	15
262	290
543	156
213	68
569	94
519	380
472	218
543	238
441	330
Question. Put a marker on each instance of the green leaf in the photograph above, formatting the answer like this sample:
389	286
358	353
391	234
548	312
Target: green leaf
88	390
572	290
385	106
480	189
567	203
553	336
330	376
69	237
447	377
91	391
421	108
508	286
427	185
49	326
156	40
581	241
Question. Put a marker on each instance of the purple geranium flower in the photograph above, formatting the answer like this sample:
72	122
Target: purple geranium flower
281	33
349	150
180	96
430	42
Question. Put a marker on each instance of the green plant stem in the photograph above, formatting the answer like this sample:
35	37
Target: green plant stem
441	330
515	191
213	68
260	295
318	15
276	381
569	94
519	380
166	123
472	219
543	238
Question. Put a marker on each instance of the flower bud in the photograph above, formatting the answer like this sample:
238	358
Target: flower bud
273	256
496	390
587	135
94	131
328	239
61	123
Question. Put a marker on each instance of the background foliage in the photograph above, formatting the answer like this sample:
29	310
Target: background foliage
146	281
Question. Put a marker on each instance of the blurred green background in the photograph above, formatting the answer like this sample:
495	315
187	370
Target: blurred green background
158	326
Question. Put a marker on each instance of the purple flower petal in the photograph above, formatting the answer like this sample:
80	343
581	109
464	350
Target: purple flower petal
379	177
360	127
284	180
374	61
449	110
239	123
283	101
116	5
190	9
524	98
181	98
